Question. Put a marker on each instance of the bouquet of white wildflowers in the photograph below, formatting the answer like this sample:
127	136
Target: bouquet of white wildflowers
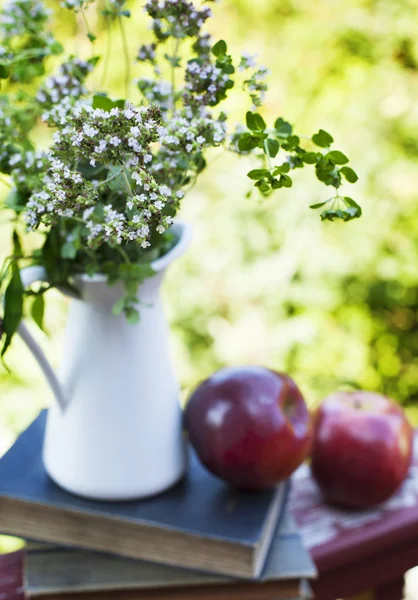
104	194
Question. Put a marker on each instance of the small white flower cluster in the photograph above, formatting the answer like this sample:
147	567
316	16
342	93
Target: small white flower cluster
22	31
190	135
204	82
182	144
248	61
28	167
67	83
147	52
257	86
57	114
116	137
143	211
155	92
65	193
203	45
19	16
119	139
177	18
76	5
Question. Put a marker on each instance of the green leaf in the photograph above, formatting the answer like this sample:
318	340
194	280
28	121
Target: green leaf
286	181
17	246
51	259
229	70
105	103
255	122
330	214
220	48
56	48
349	174
22	55
93	60
263	186
350	202
68	250
284	168
310	158
273	147
291	142
13	307
91	36
326	172
348	214
119	307
319	204
249	117
132	315
247	142
356	209
337	157
257	174
4	72
37	310
283	128
322	139
125	13
261	136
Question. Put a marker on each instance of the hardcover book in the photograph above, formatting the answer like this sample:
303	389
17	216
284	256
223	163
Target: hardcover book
54	569
201	523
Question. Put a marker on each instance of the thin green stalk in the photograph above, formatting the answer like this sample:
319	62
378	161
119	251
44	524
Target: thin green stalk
77	220
89	33
108	48
108	179
92	256
126	56
266	148
176	45
124	254
128	185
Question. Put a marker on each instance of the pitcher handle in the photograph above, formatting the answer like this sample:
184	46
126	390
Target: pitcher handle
29	275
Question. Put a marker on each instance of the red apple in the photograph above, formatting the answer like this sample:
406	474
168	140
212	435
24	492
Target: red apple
362	448
249	426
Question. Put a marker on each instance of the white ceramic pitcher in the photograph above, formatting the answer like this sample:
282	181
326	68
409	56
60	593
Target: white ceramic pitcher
115	432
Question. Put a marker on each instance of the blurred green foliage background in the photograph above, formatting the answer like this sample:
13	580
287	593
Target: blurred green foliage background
333	304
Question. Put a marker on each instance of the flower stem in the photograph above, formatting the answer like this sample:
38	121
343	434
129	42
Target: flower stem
108	179
123	254
91	37
108	50
126	55
173	75
128	185
266	148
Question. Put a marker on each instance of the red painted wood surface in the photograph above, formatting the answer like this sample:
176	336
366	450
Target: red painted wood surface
356	551
11	577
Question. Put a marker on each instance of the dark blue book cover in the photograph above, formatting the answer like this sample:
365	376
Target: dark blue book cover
200	523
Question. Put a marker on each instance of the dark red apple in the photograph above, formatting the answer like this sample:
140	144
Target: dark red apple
362	448
249	426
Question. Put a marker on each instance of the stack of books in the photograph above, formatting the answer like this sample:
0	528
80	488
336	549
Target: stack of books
201	538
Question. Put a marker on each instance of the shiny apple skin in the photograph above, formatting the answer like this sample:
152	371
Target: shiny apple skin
362	448
249	426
